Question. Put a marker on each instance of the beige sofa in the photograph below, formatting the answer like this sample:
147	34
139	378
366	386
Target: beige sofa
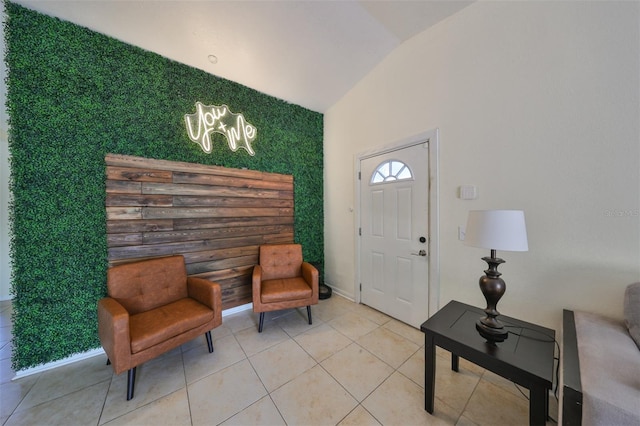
601	366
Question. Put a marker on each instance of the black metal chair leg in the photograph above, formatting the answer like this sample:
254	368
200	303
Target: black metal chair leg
261	322
209	341
131	381
309	313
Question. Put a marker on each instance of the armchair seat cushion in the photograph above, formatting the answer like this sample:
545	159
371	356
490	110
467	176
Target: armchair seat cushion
285	289
160	324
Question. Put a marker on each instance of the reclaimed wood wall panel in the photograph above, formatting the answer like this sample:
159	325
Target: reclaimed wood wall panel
215	217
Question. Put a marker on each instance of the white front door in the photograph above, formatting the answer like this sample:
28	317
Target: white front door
394	224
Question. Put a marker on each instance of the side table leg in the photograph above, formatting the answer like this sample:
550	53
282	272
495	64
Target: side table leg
429	372
538	405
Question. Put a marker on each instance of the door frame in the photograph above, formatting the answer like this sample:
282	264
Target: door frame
432	138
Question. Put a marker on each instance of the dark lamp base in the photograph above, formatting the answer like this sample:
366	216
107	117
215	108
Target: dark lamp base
491	334
492	287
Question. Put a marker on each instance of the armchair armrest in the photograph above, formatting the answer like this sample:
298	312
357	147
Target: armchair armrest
310	275
113	330
206	292
256	283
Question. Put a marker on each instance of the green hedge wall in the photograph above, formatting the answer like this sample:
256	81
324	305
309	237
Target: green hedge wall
75	95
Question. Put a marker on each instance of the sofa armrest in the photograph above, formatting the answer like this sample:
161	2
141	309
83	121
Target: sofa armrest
572	385
113	331
206	292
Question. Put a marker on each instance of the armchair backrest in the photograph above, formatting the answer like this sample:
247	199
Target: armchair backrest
281	261
148	284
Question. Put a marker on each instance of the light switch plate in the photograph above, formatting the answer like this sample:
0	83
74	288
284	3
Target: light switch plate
468	192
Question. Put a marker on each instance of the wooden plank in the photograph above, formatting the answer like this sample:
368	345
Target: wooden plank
149	163
230	181
284	238
138	225
119	240
124	187
117	199
210	234
207	190
236	282
234	285
122	213
115	262
235	292
224	222
156	250
205	201
138	175
224	274
177	166
202	212
215	265
223	253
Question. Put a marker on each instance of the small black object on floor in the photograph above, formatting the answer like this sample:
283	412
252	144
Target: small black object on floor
324	291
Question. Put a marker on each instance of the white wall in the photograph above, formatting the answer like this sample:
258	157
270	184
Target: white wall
5	264
538	105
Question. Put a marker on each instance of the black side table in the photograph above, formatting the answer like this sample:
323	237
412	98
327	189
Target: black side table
525	357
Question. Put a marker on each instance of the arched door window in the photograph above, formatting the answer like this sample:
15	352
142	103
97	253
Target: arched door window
389	171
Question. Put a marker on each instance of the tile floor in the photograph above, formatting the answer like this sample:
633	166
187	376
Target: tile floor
353	366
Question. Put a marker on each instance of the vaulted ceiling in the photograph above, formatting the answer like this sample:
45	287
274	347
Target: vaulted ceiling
310	53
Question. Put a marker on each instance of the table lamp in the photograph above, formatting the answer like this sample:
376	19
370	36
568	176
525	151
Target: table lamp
495	230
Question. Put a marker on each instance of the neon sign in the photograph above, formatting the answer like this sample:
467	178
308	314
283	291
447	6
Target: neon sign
210	119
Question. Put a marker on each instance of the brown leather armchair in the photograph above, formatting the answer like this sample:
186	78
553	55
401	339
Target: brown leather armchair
153	307
283	280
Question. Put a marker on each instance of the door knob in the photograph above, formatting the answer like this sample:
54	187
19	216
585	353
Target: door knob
420	253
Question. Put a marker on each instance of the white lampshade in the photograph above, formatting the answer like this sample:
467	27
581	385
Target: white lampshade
497	230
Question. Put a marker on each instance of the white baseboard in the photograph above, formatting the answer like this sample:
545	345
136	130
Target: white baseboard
51	365
237	309
340	293
99	351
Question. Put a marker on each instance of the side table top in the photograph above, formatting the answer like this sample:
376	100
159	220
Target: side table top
529	348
